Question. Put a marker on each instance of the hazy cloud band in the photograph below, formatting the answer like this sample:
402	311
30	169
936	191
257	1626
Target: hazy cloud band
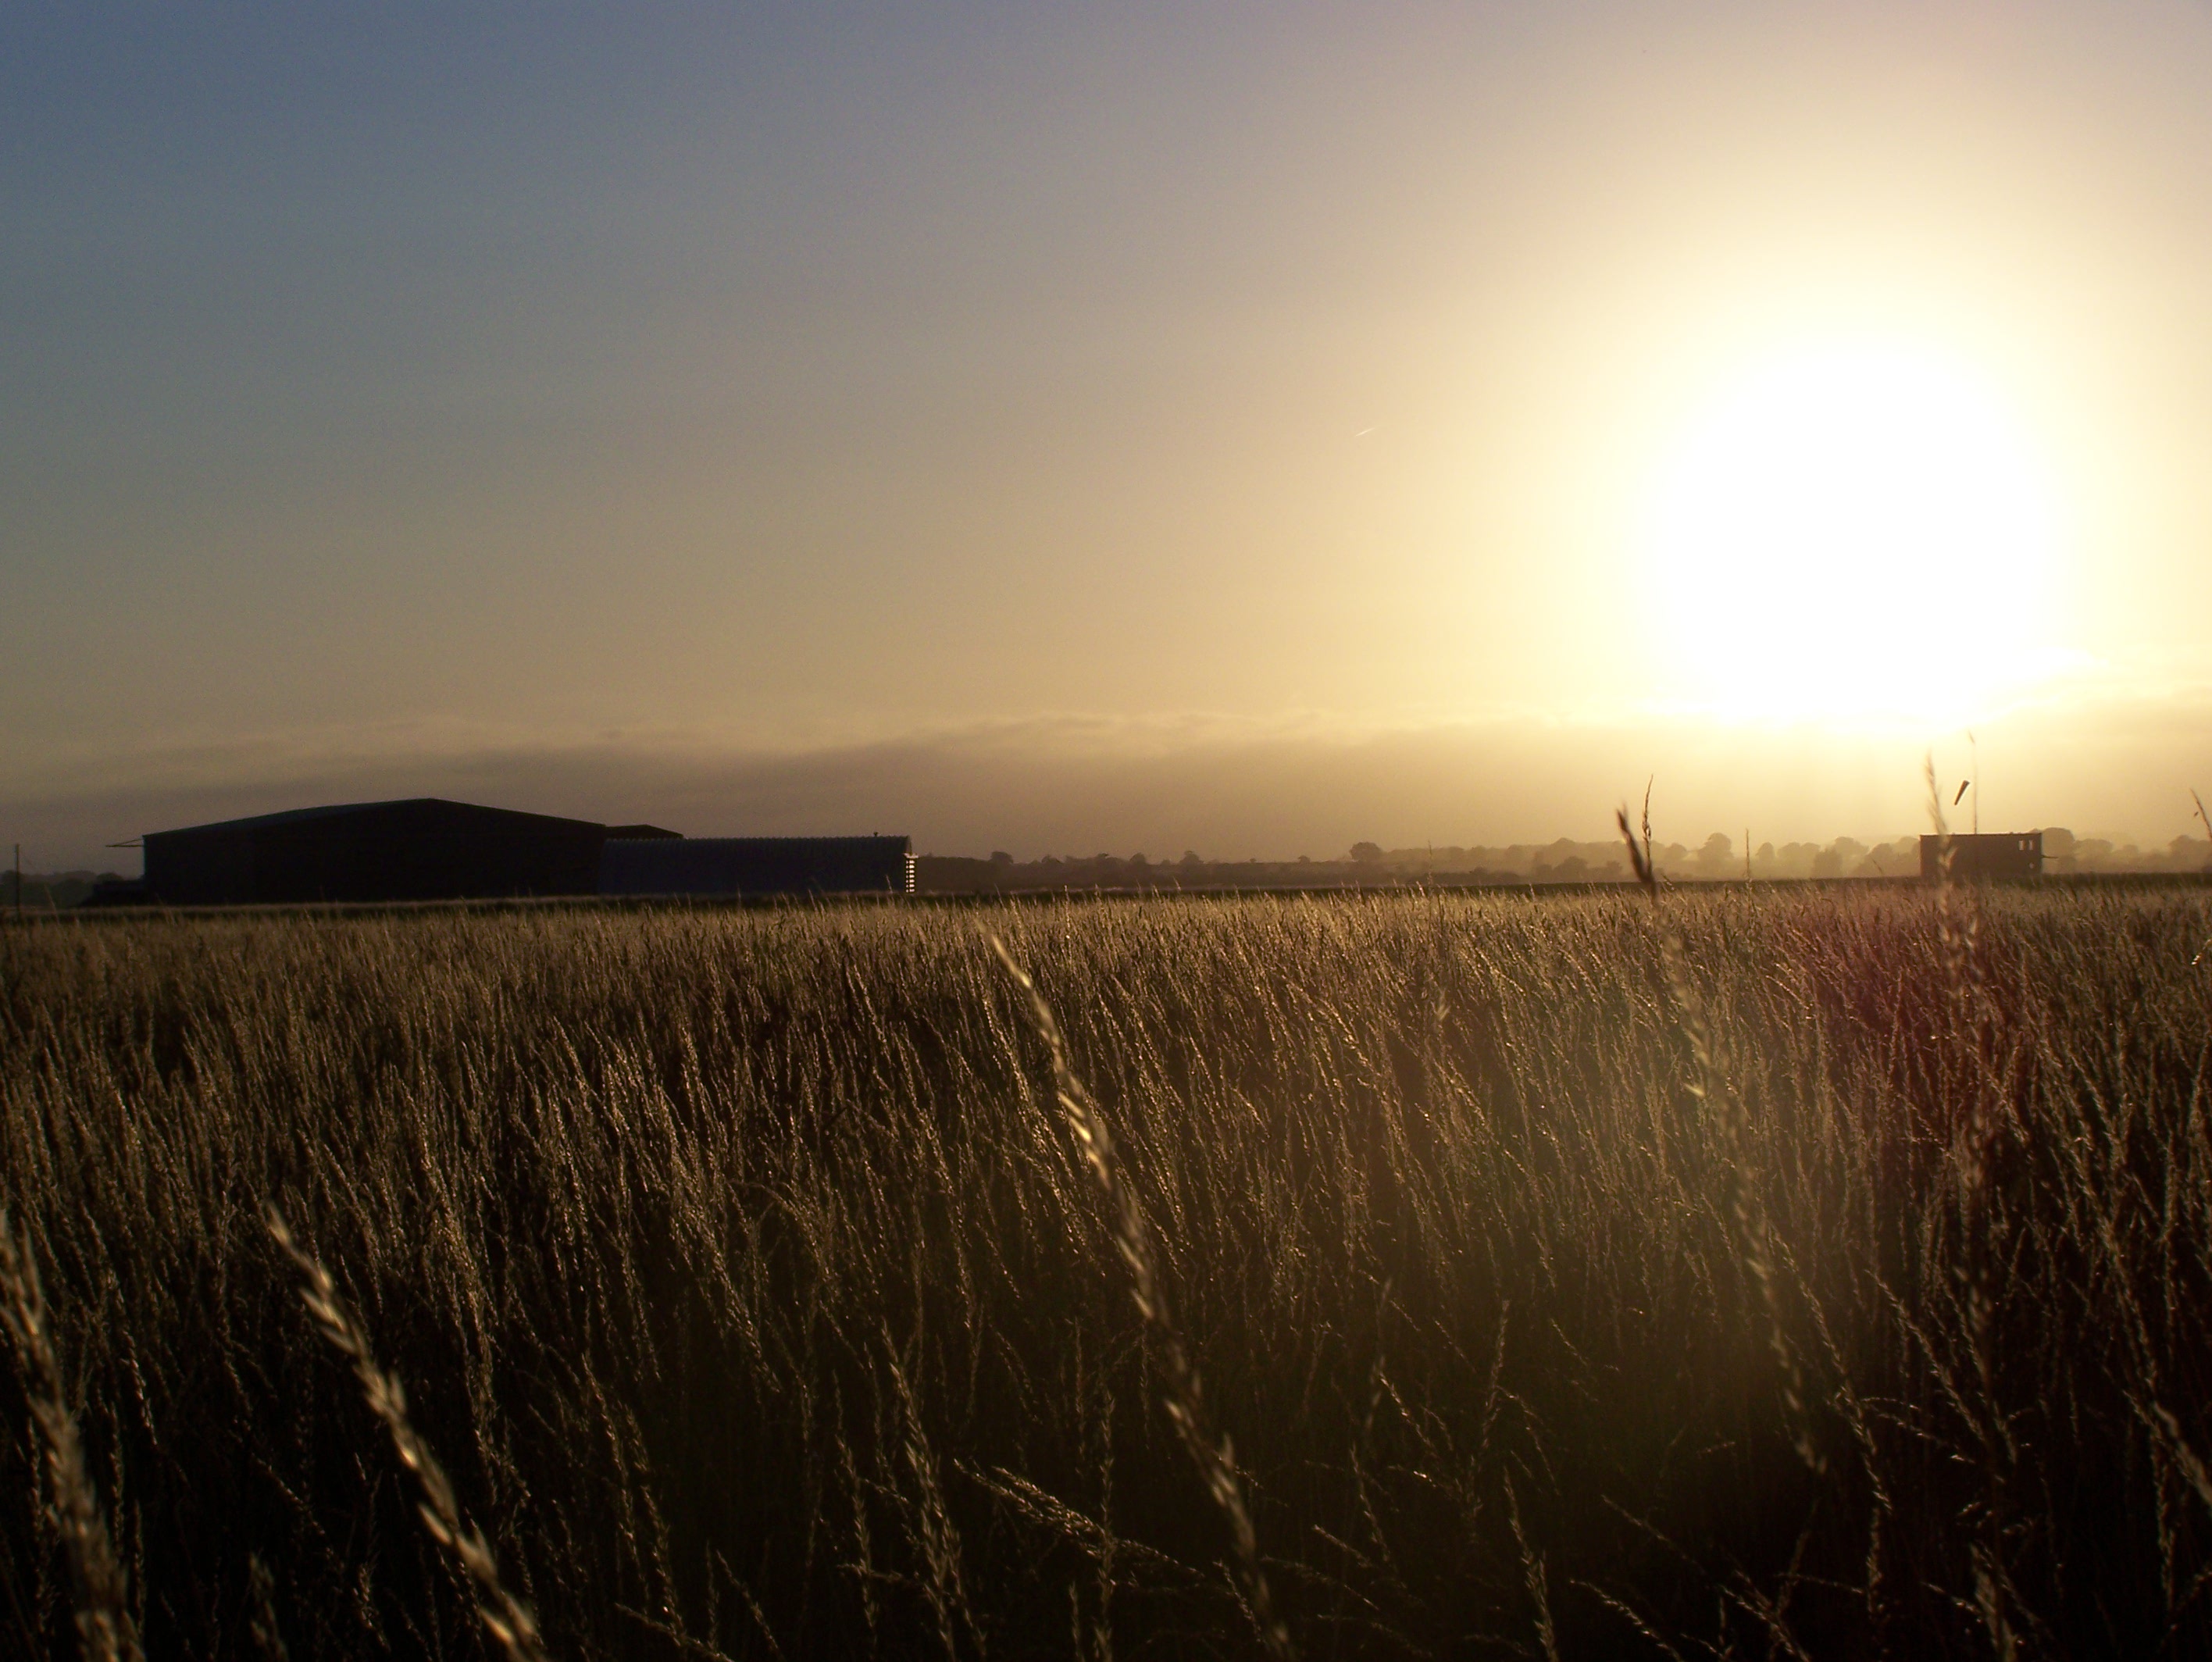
1229	790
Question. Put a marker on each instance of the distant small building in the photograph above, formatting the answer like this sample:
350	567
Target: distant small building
427	849
757	865
1977	857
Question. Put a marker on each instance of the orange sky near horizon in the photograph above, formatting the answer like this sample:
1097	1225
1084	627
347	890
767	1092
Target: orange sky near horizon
873	413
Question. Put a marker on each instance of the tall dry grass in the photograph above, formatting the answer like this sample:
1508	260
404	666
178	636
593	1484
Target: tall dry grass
100	1601
506	1618
756	1294
1182	1393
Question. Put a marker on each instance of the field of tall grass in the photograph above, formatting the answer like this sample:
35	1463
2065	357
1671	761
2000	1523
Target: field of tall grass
1760	1274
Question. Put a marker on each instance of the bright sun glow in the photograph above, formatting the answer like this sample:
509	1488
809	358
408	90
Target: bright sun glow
1853	531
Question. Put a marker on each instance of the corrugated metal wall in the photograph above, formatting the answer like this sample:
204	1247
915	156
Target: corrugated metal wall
757	865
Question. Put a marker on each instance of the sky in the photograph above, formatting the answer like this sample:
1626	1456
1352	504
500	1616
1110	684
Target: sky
1068	427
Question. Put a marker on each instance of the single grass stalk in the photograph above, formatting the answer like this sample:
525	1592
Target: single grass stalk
2207	821
932	1527
508	1618
268	1636
1185	1398
1532	1571
1957	927
104	1625
1756	1240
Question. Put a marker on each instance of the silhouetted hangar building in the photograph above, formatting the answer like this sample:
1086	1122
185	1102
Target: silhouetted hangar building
428	849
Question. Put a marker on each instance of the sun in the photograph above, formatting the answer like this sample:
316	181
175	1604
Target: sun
1852	530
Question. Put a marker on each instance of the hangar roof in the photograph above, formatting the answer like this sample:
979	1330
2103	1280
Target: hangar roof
333	810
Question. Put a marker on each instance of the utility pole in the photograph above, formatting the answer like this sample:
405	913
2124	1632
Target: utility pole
1747	853
19	882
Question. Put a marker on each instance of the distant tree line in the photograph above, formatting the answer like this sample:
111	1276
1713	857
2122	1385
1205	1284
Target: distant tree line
2063	852
48	891
1719	858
